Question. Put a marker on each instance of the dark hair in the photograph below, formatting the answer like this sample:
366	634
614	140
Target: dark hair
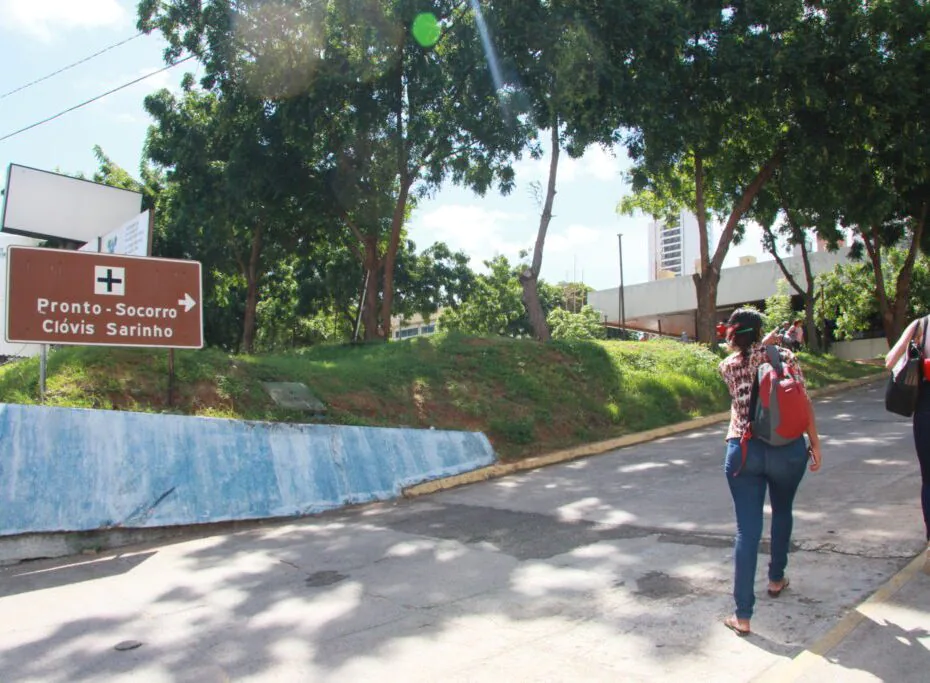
747	324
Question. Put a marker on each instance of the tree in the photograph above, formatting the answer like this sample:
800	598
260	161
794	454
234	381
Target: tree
778	308
238	185
110	173
495	303
386	115
575	295
434	279
585	324
543	44
777	213
709	96
867	168
849	293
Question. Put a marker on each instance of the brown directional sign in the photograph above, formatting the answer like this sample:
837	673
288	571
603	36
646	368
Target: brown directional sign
70	297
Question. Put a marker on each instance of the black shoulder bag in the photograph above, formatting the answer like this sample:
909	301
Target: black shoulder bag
902	388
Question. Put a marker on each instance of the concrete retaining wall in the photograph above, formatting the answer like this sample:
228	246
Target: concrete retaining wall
75	470
859	349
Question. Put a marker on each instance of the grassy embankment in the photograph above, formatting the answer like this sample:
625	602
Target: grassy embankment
528	397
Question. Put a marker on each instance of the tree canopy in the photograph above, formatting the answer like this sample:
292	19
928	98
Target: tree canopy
291	168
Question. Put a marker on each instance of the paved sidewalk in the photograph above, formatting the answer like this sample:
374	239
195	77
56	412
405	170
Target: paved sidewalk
884	639
616	567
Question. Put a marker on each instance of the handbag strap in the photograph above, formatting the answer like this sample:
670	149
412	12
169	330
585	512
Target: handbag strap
916	344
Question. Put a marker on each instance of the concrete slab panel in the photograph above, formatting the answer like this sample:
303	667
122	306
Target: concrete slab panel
294	396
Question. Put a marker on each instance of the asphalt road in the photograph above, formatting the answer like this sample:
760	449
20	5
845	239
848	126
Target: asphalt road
616	567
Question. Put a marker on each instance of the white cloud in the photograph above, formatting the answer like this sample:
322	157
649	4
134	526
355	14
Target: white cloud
44	19
596	164
589	253
602	164
576	251
573	238
478	232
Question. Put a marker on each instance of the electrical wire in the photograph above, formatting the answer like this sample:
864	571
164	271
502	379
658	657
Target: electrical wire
94	99
70	66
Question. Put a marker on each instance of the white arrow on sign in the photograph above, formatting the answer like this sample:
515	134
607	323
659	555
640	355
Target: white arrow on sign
187	302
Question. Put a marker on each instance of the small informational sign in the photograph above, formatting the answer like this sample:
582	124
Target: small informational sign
130	239
70	297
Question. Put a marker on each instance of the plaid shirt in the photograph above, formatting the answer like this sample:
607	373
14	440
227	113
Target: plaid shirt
739	373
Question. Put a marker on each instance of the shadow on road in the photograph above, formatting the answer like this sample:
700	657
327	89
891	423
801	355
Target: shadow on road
632	546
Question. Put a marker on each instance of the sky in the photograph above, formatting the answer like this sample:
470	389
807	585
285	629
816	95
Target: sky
38	37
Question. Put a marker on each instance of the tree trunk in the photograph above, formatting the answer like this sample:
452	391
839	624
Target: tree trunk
707	305
895	323
397	224
873	248
892	310
251	273
405	177
810	326
529	278
707	281
808	292
370	309
706	288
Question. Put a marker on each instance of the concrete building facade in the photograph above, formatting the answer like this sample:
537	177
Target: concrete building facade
669	306
674	247
415	326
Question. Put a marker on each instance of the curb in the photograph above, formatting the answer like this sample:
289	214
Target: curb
792	669
602	447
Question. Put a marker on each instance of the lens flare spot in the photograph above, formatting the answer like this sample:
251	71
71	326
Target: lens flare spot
426	29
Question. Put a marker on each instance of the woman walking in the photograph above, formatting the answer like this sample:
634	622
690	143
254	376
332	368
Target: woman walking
776	468
921	413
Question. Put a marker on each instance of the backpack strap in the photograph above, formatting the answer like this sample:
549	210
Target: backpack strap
775	358
775	361
744	449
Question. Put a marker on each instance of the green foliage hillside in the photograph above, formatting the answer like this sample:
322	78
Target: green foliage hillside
528	397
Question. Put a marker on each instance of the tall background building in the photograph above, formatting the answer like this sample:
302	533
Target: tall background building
674	247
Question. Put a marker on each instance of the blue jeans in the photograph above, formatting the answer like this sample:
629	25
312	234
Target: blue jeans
780	468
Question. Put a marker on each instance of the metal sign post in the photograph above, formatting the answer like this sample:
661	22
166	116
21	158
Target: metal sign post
43	370
170	377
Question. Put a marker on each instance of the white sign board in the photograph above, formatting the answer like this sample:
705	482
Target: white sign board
130	239
50	205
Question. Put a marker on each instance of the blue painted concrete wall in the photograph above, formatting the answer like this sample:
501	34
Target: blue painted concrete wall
70	470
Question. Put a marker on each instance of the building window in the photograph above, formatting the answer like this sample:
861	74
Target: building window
428	329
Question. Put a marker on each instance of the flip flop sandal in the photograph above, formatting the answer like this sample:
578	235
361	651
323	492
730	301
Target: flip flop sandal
732	623
779	591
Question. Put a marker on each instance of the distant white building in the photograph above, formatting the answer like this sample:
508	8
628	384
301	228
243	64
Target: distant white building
674	247
416	326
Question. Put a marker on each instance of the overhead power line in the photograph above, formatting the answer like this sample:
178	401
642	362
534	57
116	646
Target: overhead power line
70	66
94	99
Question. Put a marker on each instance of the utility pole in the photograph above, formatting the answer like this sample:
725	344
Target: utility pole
622	311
